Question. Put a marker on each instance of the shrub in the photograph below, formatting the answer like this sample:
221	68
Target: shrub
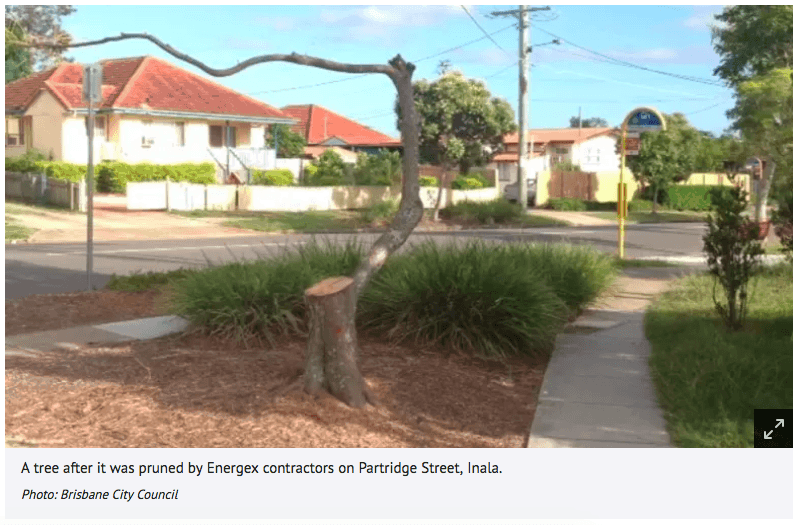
782	219
693	198
566	166
30	161
485	182
112	177
66	171
259	298
330	170
647	194
273	177
382	169
732	252
600	206
640	205
426	181
471	298
382	210
567	204
499	210
466	183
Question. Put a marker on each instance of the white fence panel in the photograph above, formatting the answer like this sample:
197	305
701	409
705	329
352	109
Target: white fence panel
221	197
146	195
186	196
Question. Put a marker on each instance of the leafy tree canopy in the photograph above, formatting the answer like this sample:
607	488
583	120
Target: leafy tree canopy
594	122
382	169
462	123
754	40
290	144
18	59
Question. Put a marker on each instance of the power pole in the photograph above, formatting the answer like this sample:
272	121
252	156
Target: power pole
522	149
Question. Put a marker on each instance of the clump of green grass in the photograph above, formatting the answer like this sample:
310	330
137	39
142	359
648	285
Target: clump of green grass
710	380
578	274
138	282
471	298
383	210
498	211
16	231
256	298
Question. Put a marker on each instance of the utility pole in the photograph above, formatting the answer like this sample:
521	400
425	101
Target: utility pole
522	148
92	93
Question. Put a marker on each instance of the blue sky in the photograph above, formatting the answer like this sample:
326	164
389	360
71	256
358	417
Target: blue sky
673	39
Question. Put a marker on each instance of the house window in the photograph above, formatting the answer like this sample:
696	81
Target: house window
180	134
15	132
592	156
215	136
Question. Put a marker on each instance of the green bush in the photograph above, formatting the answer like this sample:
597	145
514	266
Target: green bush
567	204
600	206
485	182
273	177
641	205
566	165
692	198
330	170
382	211
499	210
466	183
487	299
262	297
112	177
381	169
647	194
471	298
30	161
65	171
426	181
782	219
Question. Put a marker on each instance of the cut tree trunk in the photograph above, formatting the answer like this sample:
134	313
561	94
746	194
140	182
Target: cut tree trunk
332	352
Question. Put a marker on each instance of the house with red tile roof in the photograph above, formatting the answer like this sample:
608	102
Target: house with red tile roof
151	111
322	127
593	149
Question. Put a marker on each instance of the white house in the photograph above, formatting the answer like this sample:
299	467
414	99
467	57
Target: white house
151	111
593	149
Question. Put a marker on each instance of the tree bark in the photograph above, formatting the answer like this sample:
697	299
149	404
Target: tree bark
763	189
338	313
332	351
656	193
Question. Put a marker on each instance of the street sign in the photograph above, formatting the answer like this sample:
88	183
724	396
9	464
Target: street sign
632	145
92	83
644	119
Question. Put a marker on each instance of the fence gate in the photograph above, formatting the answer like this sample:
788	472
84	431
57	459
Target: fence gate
571	184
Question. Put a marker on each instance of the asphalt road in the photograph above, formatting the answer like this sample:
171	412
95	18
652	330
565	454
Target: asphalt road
56	268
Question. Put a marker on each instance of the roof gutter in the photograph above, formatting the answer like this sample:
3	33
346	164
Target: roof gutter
187	115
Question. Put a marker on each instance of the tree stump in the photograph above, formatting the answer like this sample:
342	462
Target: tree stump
332	352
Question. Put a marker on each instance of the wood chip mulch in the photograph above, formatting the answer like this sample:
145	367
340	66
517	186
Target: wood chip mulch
194	390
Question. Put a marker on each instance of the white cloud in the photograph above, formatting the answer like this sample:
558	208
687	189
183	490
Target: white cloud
703	17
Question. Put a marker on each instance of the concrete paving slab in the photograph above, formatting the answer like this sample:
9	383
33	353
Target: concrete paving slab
568	420
150	328
597	324
633	392
595	346
546	442
55	339
612	366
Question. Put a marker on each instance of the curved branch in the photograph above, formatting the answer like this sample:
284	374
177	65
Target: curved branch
295	58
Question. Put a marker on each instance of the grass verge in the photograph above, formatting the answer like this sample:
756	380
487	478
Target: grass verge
710	381
16	231
646	217
139	282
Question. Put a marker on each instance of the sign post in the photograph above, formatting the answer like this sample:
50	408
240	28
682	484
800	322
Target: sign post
92	93
637	121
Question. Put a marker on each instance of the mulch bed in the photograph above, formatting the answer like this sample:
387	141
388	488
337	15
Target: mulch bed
194	390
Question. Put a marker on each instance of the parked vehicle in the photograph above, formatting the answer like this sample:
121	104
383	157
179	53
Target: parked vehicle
510	191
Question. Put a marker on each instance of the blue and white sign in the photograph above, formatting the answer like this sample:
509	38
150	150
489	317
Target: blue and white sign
644	119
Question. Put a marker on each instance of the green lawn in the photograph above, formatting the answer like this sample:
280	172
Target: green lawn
16	231
709	381
15	207
642	217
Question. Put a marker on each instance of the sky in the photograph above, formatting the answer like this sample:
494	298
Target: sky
564	79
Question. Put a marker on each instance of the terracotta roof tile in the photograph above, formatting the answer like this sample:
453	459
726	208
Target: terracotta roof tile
317	124
140	82
564	135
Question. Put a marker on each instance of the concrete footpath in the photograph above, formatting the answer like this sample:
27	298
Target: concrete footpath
597	391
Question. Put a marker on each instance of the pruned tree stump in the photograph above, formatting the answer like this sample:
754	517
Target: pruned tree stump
332	352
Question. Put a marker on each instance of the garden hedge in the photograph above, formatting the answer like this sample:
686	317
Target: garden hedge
273	178
112	177
693	198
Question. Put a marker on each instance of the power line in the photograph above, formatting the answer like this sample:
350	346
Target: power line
629	64
354	77
483	31
704	109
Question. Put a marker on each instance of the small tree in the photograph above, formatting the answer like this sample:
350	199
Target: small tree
383	169
732	248
329	170
594	122
290	144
